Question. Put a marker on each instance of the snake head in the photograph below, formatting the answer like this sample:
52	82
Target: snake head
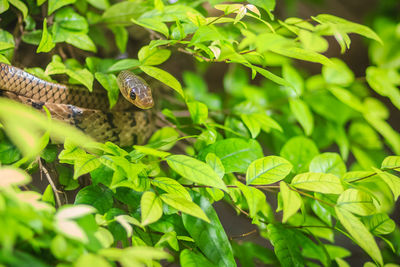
135	90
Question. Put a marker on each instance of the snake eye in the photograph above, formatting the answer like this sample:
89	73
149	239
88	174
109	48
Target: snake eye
132	95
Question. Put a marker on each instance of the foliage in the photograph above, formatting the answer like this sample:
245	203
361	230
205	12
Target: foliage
277	135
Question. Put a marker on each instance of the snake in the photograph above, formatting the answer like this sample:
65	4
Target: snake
128	122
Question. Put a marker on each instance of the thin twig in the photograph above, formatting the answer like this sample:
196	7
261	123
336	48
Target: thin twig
53	186
243	235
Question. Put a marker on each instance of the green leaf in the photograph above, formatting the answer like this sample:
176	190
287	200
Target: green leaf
384	128
151	207
46	43
303	114
318	182
255	198
91	259
82	41
236	154
153	56
391	162
290	74
124	64
83	76
198	111
195	170
268	170
121	37
163	77
269	75
339	73
96	196
302	54
164	138
252	124
8	152
346	97
154	24
285	247
357	202
328	163
151	151
291	201
109	82
216	164
188	258
210	238
4	6
379	224
123	12
299	151
21	6
391	180
100	4
184	205
85	164
347	26
360	233
171	186
56	4
379	80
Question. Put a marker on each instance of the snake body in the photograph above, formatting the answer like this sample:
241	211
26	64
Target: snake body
124	124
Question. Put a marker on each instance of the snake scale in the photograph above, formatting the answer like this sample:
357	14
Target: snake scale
128	122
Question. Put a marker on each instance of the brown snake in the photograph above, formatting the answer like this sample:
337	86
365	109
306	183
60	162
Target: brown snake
124	124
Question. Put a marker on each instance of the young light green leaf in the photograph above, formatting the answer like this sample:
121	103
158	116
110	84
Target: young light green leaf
299	151
360	233
195	170
291	201
303	114
269	75
357	202
151	151
236	154
124	64
121	37
391	180
339	73
198	111
216	164
379	224
151	207
347	26
302	54
21	6
184	205
88	259
154	24
83	76
379	80
56	4
171	186
153	56
346	97
328	163
252	124
4	5
391	162
318	182
46	43
290	74
268	170
255	198
164	138
163	77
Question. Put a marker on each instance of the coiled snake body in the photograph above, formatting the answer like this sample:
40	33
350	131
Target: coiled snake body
124	124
